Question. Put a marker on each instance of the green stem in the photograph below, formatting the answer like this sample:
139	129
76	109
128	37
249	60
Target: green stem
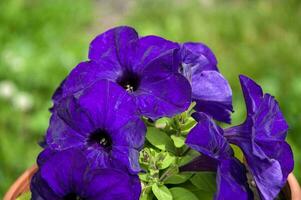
170	171
185	152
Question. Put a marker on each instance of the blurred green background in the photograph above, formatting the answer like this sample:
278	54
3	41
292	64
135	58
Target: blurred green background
42	40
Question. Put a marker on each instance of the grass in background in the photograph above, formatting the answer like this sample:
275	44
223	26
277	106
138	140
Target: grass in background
42	40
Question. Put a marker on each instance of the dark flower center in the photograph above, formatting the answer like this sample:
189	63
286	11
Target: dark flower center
100	138
129	81
72	196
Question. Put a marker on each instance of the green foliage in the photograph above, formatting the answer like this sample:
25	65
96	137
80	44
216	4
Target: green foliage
204	181
161	192
25	196
178	178
159	139
179	193
164	153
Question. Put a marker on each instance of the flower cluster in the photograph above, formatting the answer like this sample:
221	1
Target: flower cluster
143	110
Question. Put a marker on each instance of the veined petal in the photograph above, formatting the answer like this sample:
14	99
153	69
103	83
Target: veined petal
98	120
198	56
40	190
150	48
207	138
113	45
252	93
63	171
110	184
213	95
108	105
60	136
201	163
165	97
68	173
232	181
262	139
210	89
127	158
84	75
269	121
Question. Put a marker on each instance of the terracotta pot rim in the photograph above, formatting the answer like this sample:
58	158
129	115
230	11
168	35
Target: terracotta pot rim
292	189
21	185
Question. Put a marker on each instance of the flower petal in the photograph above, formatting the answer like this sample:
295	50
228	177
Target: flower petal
162	91
266	172
130	135
212	94
210	89
150	48
283	155
262	139
201	163
110	184
40	190
252	93
64	171
60	136
126	158
84	75
103	106
232	181
269	121
108	105
206	137
112	45
197	56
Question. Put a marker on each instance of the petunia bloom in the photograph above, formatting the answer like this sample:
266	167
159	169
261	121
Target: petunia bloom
210	90
217	155
146	67
66	175
262	139
103	121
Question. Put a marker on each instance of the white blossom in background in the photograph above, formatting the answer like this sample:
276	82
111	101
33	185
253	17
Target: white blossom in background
23	101
7	89
14	61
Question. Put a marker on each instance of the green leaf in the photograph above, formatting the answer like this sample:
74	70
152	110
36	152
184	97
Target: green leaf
159	139
161	192
201	194
179	141
178	178
188	157
238	152
162	122
146	193
205	181
25	196
143	177
204	195
168	159
179	193
189	124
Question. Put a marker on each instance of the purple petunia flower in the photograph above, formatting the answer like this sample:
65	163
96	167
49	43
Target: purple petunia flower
146	67
66	175
217	155
262	139
103	121
210	89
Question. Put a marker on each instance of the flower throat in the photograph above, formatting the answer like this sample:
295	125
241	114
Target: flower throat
129	81
72	196
100	138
